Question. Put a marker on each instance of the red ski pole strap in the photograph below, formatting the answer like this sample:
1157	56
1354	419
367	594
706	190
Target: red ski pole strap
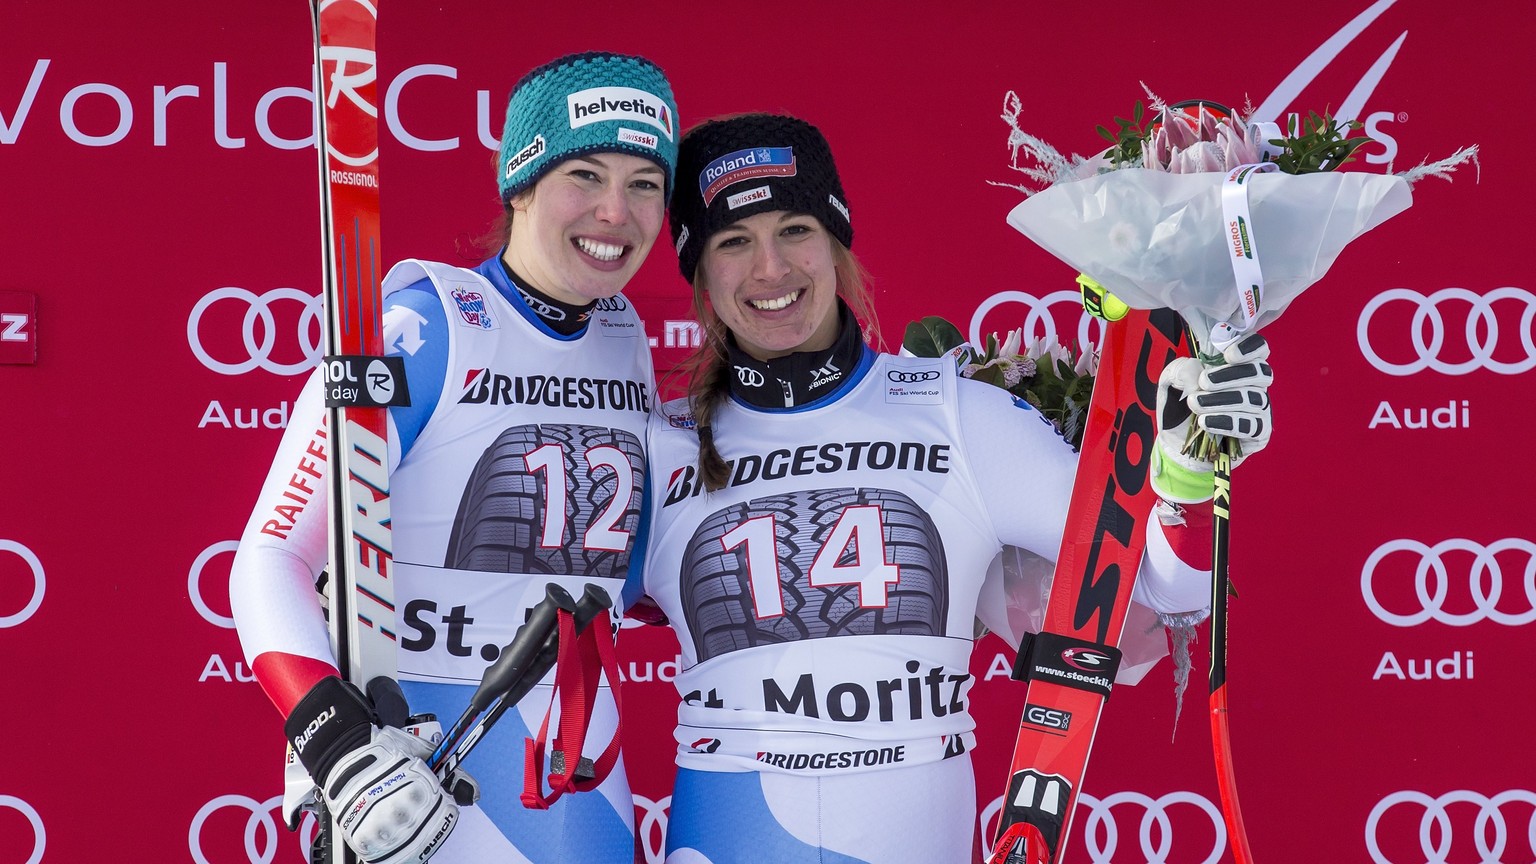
583	657
1067	661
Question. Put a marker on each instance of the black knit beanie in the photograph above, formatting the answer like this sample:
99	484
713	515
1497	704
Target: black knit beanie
730	169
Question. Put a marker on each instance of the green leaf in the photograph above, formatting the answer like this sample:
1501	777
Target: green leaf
990	375
931	337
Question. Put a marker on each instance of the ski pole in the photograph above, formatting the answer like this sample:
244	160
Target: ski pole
1221	735
522	664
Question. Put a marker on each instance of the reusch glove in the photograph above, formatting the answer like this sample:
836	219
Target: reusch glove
388	804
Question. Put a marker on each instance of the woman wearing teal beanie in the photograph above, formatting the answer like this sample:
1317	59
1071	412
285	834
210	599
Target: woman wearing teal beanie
517	464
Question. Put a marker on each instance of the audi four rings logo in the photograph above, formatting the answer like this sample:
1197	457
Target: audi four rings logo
542	309
195	586
1434	315
615	303
912	377
1038	320
1433	579
1481	824
1165	821
260	834
651	828
259	341
39	583
749	377
39	836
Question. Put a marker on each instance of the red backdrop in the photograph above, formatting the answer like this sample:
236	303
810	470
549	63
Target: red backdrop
160	237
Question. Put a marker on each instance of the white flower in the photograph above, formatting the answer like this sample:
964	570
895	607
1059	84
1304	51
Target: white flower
1011	343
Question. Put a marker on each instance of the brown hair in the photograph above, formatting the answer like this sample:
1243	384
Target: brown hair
708	369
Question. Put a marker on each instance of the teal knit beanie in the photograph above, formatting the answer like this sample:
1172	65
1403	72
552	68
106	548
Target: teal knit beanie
586	103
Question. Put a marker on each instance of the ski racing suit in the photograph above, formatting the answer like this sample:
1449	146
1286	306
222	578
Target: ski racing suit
825	599
506	416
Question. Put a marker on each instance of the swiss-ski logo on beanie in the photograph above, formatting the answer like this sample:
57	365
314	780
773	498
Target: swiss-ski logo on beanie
744	165
600	104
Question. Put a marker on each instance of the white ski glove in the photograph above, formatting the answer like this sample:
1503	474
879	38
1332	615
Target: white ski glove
389	806
1229	399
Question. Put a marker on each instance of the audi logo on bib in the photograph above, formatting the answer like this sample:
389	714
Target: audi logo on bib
901	377
1452	331
35	566
1451	827
1473	571
265	343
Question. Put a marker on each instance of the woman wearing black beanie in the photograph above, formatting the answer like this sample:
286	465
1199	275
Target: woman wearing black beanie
821	526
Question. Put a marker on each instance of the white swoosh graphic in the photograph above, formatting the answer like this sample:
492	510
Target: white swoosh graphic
1309	69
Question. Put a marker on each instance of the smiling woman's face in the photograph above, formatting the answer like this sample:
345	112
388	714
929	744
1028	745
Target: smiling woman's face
584	229
772	279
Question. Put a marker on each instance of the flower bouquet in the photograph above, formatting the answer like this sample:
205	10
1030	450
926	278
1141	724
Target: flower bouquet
1168	217
1218	216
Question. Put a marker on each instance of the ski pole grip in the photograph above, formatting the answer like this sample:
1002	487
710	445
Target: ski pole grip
593	601
514	661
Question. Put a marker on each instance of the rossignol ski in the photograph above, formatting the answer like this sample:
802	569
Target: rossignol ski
1071	664
359	381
